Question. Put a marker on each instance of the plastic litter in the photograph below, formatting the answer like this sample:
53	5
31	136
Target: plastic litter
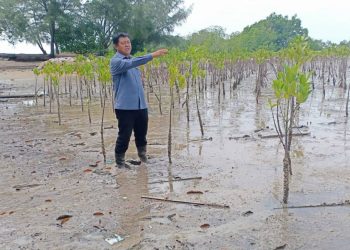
113	240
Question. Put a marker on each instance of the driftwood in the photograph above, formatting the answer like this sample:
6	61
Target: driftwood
25	57
19	96
177	179
25	186
186	202
276	136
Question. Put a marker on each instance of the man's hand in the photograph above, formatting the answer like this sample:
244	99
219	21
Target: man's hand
159	53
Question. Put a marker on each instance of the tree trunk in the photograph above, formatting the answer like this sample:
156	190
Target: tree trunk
198	113
41	47
57	90
170	121
57	49
102	120
347	102
286	167
52	36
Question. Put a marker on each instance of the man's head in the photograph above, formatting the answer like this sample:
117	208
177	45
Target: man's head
122	44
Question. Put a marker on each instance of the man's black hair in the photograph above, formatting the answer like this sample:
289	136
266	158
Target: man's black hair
116	37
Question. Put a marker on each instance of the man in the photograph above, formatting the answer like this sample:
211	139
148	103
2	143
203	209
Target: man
129	99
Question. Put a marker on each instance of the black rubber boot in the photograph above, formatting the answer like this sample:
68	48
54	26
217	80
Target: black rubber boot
142	153
120	160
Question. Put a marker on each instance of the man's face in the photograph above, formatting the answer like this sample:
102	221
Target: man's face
124	46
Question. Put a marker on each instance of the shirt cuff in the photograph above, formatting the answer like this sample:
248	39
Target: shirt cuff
149	56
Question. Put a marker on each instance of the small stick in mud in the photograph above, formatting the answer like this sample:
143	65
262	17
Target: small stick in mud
177	179
345	203
186	202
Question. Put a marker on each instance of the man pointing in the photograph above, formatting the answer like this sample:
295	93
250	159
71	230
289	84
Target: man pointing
129	99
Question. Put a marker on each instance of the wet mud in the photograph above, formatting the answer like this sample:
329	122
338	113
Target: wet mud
47	171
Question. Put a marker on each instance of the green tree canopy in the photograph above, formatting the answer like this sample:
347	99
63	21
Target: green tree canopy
273	33
88	25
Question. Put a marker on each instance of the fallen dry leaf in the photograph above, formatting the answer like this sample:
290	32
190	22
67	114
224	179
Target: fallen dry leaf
48	200
205	226
98	214
64	217
64	220
194	192
87	170
281	247
63	159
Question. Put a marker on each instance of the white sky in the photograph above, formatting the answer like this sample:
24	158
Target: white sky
325	19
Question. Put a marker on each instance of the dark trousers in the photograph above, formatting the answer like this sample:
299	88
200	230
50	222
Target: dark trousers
129	120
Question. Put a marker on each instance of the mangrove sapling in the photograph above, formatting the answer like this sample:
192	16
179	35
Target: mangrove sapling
347	101
79	69
196	75
261	57
36	72
68	69
48	71
170	124
175	77
104	77
88	76
291	88
54	70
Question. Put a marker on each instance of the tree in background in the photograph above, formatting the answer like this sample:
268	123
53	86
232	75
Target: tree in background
35	21
154	19
272	33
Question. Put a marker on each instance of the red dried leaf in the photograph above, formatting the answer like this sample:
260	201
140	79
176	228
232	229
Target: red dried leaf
98	214
87	170
205	226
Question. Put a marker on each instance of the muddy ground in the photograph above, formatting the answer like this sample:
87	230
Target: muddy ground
47	171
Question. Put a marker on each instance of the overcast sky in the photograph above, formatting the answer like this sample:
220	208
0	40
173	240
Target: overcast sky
325	19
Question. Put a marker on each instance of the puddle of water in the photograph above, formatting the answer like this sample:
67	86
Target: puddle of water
28	103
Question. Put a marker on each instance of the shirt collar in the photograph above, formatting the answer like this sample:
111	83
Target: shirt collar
122	56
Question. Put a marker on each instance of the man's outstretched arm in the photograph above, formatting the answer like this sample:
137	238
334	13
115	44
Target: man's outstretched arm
119	65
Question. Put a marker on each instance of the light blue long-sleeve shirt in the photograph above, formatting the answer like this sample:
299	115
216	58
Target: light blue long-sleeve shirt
127	82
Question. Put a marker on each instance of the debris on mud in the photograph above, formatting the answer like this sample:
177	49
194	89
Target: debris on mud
115	239
248	213
205	226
